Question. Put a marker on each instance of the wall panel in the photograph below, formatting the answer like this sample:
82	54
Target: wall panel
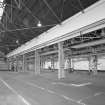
80	63
101	63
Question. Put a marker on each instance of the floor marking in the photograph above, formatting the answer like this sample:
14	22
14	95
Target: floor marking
81	103
96	94
50	91
60	83
9	87
35	85
67	98
83	84
24	100
40	87
70	99
76	85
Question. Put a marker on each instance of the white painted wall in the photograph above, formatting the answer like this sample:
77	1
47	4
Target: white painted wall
66	64
101	63
47	64
56	65
81	64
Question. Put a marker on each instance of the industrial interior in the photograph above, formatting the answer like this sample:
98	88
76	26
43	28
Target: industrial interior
24	21
58	37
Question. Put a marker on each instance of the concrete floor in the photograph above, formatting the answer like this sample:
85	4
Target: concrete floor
46	89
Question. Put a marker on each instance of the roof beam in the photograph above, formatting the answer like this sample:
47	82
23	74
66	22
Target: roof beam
69	29
81	5
49	7
102	41
18	3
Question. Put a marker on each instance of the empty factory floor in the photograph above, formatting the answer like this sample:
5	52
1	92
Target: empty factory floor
45	89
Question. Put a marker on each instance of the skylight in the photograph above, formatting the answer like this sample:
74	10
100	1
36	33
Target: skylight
1	8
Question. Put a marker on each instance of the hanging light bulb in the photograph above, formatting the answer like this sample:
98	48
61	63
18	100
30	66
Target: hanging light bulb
39	24
17	41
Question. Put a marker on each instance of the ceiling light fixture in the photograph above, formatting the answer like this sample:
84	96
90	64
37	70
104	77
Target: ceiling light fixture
39	24
17	41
